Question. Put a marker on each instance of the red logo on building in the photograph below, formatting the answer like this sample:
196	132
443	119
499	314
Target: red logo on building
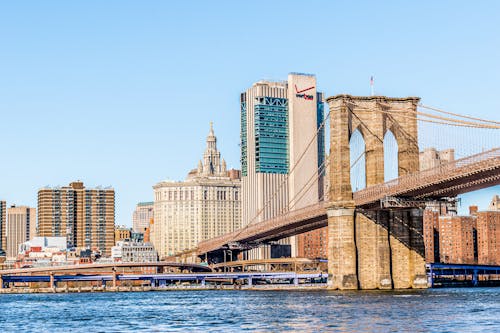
300	93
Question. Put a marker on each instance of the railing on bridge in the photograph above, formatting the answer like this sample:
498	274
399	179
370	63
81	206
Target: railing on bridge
273	265
419	180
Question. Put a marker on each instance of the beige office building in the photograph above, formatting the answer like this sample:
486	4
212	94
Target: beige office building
85	216
431	157
21	227
207	204
142	216
280	149
3	227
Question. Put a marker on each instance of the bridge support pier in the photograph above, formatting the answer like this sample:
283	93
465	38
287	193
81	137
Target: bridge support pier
341	249
374	255
380	249
407	249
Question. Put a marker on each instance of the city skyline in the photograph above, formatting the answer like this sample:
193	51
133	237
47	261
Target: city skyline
97	101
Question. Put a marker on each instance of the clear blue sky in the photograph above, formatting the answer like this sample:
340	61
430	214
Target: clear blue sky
121	93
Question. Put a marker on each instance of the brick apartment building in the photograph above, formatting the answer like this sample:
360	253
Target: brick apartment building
473	239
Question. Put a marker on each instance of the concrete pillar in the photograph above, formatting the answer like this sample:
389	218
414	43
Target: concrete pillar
114	277
367	251
203	282
417	250
1	282
400	252
383	251
341	249
372	242
249	281
295	280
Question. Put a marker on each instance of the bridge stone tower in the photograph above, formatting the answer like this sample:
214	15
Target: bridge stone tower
372	248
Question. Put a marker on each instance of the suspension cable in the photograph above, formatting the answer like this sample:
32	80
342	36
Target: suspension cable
457	115
287	176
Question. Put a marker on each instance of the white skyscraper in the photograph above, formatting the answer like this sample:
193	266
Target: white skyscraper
281	149
207	204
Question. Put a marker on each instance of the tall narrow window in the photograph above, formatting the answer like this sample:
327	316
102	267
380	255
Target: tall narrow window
358	161
390	156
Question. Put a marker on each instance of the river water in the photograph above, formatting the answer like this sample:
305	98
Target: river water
433	310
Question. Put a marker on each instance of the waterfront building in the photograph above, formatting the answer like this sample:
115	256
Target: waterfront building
488	237
44	244
21	227
281	149
431	235
207	204
431	157
122	233
131	251
85	216
3	227
142	216
43	252
313	244
458	239
462	239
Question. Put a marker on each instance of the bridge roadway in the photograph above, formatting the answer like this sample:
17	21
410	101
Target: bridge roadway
272	265
457	177
93	267
463	271
162	279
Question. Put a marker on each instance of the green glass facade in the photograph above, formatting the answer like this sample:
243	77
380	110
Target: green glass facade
243	113
271	135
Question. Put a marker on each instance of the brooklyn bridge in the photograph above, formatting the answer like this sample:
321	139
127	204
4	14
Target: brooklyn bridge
375	235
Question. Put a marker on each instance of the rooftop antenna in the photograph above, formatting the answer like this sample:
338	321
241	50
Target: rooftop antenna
371	86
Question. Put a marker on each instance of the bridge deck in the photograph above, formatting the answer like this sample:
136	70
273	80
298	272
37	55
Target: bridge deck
93	267
457	177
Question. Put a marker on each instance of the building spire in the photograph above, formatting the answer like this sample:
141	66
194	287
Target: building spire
211	139
211	158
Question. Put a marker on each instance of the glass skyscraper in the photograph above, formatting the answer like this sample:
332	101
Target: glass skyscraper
279	162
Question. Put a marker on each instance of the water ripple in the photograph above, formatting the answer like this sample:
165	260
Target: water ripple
441	310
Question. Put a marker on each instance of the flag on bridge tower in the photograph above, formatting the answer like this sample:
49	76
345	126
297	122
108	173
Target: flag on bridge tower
371	86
